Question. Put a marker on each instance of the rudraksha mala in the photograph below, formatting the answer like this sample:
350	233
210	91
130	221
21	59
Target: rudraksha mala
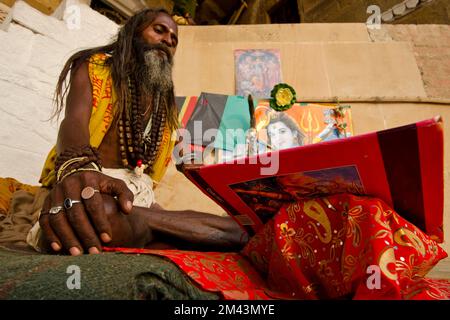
138	147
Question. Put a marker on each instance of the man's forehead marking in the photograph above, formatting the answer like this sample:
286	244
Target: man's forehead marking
166	23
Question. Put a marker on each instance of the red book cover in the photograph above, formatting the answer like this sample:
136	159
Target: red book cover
402	166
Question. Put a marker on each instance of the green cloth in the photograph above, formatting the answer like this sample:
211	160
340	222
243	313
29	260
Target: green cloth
28	275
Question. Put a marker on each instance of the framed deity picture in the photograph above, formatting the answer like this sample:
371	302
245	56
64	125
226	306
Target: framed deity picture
257	71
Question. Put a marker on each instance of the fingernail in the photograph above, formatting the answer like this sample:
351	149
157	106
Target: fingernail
74	251
105	237
93	250
55	246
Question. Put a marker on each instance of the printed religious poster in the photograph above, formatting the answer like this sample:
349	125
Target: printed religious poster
302	124
257	71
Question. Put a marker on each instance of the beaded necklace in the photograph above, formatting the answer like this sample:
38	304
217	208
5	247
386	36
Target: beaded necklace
138	147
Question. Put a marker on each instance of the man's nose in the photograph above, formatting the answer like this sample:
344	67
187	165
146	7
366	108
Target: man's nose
167	40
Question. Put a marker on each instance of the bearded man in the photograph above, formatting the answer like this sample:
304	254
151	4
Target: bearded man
113	144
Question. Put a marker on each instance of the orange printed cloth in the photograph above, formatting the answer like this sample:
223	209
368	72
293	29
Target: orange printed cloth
338	247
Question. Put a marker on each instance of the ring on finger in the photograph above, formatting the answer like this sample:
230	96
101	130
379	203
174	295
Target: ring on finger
55	210
68	203
88	192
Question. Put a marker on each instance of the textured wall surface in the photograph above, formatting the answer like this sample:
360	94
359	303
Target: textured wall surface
32	53
422	11
431	46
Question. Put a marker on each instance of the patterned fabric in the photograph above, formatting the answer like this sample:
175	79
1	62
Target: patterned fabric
104	97
338	247
345	246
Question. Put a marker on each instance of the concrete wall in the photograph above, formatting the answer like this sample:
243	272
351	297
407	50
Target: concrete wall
322	61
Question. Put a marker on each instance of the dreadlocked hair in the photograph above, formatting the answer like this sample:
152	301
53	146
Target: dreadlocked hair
122	61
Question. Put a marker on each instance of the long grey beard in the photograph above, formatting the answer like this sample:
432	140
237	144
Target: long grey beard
156	75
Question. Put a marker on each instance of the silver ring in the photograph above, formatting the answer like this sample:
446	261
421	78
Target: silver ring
68	203
55	210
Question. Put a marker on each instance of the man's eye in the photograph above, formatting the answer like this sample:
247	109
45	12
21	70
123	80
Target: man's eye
158	30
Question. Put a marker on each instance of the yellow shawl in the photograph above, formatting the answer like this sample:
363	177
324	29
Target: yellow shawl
101	118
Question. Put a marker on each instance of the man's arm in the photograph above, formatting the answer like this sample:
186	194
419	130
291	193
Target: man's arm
189	230
193	229
79	227
74	129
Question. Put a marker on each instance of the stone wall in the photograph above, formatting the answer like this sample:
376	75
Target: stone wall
32	53
44	6
5	16
431	47
425	11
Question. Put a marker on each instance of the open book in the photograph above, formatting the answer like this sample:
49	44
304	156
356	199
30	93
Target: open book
402	166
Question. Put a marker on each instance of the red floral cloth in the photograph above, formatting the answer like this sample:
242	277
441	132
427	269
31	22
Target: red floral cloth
338	247
345	246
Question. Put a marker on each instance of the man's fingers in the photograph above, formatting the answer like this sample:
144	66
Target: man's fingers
49	235
118	188
79	220
61	226
94	205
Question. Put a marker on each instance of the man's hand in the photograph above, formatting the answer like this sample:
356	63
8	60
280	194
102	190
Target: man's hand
82	225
